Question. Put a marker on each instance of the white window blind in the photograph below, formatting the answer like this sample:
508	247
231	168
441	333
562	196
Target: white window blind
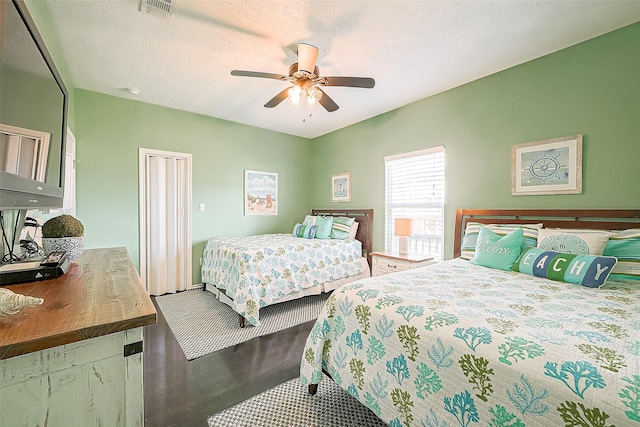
414	188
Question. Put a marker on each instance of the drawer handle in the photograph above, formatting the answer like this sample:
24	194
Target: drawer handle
392	266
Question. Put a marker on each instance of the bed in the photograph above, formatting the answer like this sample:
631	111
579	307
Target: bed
251	272
456	343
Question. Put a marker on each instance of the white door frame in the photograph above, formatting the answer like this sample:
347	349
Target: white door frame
143	154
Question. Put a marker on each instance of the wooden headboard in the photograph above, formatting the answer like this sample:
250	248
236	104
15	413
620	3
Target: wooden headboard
365	219
599	219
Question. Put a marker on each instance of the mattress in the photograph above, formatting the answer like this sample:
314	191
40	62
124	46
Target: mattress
459	344
256	271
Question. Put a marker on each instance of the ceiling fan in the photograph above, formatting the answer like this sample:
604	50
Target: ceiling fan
306	80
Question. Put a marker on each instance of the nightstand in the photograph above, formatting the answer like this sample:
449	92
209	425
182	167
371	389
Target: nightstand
389	262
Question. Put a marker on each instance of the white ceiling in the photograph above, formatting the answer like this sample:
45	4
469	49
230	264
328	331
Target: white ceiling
413	49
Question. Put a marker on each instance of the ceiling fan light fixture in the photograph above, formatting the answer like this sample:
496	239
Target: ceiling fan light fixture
313	96
294	94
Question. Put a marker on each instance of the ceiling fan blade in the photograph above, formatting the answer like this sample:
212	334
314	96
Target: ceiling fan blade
277	99
307	56
327	102
257	74
364	82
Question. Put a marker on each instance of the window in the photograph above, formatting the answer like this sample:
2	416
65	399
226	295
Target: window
414	188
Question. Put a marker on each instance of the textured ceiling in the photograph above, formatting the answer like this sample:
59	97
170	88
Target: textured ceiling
413	49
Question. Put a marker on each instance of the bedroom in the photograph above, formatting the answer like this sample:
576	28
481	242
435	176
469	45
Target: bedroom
590	88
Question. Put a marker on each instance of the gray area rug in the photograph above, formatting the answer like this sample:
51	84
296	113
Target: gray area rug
202	324
290	405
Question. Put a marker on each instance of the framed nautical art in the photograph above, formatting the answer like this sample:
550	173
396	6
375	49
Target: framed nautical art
553	166
341	187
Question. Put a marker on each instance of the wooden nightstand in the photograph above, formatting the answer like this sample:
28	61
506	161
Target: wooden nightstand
389	262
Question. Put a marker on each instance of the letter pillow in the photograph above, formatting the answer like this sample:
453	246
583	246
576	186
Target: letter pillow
586	270
495	251
305	231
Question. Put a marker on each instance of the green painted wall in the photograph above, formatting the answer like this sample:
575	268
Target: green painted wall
109	131
591	89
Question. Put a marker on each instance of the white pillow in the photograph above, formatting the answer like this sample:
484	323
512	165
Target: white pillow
568	241
353	230
309	220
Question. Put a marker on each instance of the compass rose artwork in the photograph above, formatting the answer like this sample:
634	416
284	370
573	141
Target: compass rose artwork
547	167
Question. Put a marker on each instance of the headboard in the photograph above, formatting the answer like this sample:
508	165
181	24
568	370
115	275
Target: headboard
365	219
599	219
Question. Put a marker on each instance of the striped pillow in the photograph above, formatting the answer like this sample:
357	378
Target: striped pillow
341	227
468	248
625	245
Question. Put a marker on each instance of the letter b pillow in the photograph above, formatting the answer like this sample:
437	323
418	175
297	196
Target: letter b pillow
586	270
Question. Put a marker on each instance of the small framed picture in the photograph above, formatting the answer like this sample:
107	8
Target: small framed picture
553	166
341	187
260	193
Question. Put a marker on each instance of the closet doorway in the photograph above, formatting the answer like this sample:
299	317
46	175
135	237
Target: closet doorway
165	221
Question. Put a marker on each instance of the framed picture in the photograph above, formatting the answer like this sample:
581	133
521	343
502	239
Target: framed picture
553	166
260	193
341	187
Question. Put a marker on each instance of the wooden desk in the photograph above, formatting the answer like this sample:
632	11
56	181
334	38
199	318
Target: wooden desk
76	359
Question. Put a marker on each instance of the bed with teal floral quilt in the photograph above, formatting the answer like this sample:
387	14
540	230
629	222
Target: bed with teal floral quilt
457	344
256	271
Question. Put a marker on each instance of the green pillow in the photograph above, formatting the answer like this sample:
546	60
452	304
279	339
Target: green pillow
324	224
625	246
341	226
305	231
495	251
586	270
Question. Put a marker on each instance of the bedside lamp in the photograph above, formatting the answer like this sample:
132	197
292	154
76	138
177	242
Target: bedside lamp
404	229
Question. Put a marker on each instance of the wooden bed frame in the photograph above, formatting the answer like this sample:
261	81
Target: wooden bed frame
598	219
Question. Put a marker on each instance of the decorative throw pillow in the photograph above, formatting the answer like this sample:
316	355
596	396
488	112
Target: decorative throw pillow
309	220
495	251
580	242
586	270
324	224
305	231
341	227
625	245
353	230
472	229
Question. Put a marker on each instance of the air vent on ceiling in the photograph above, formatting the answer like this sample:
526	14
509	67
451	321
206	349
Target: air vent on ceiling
158	8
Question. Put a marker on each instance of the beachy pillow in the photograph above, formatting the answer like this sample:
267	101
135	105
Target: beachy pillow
568	241
309	220
305	231
530	233
586	270
625	245
341	227
496	251
324	224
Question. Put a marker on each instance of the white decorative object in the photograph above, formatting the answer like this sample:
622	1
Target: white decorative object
73	246
11	303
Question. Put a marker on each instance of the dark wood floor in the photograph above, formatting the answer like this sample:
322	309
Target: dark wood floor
182	393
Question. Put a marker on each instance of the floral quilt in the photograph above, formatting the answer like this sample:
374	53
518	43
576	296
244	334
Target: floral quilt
255	271
456	344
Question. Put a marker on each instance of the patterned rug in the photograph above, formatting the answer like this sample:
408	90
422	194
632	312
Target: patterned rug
290	405
202	324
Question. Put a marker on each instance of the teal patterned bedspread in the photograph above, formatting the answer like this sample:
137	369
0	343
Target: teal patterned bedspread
255	271
455	344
